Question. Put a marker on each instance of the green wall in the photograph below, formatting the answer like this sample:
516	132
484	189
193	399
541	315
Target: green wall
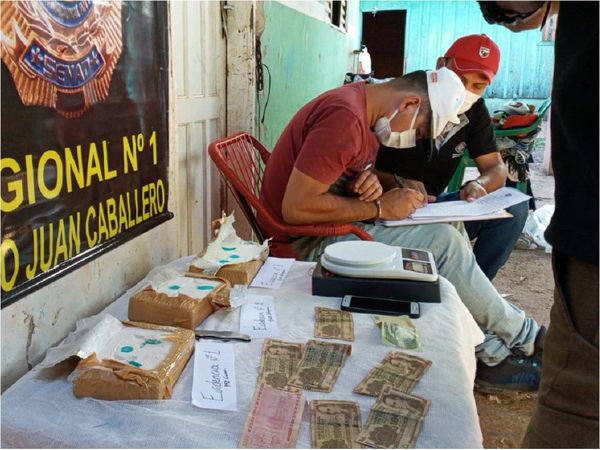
305	57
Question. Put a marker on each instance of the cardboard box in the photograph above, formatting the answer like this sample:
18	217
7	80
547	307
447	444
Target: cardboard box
118	372
181	310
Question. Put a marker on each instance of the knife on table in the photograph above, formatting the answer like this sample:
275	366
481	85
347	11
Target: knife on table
224	335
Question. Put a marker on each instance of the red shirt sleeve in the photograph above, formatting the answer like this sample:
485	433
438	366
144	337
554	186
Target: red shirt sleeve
332	146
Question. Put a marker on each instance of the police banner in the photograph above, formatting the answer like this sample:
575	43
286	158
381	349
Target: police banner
84	162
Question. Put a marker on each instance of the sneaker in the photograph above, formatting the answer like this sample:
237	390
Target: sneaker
515	373
538	345
525	242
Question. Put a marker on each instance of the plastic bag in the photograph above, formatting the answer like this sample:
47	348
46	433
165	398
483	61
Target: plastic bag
536	225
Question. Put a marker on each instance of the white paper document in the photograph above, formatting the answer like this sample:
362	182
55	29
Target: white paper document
490	206
272	273
501	214
257	317
214	376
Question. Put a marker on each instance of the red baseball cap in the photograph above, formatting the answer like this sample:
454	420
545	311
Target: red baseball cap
475	53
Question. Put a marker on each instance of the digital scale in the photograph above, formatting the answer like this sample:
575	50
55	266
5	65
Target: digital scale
368	259
374	269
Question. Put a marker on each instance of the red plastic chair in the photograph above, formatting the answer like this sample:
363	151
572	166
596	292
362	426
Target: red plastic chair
242	159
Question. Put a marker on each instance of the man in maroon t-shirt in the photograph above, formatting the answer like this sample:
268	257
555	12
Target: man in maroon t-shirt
319	172
330	142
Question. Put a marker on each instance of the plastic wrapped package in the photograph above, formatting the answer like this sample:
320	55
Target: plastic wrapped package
141	361
183	300
230	257
242	273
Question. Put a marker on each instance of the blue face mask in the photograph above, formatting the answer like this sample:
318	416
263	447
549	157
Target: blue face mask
396	139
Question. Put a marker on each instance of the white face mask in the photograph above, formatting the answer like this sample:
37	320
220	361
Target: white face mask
396	139
470	99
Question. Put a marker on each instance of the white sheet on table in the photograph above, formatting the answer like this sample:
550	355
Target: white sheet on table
38	413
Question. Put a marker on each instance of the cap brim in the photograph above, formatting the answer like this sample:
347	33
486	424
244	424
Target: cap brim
454	119
437	125
462	66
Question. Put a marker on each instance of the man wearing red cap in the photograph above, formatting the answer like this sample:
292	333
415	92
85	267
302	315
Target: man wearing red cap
475	59
320	172
429	166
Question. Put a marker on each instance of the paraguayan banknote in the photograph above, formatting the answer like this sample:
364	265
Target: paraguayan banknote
398	331
398	369
395	420
277	362
334	324
320	365
274	419
334	424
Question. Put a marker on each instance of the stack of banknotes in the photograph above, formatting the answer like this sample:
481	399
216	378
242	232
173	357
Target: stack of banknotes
287	368
395	420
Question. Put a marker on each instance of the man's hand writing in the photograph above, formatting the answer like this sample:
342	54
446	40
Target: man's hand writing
400	203
419	187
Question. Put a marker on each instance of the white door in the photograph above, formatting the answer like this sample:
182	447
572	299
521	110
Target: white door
198	50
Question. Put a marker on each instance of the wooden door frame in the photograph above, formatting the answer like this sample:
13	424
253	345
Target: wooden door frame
241	21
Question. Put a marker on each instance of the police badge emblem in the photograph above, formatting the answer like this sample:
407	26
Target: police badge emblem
484	52
61	54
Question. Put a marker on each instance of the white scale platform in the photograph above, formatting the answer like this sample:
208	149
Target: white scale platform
369	259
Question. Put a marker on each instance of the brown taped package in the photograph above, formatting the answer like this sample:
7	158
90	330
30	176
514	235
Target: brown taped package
114	380
242	273
180	311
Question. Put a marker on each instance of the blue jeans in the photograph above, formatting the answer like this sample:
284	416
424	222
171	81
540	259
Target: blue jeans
495	238
506	326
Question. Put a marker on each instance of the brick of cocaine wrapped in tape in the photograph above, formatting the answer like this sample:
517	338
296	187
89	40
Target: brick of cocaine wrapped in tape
229	256
138	361
182	301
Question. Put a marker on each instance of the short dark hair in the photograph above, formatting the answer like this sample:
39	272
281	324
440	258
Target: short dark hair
415	82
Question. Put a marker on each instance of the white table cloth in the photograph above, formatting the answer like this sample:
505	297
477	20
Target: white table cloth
41	411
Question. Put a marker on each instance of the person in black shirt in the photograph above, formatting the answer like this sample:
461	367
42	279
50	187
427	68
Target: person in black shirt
566	414
475	59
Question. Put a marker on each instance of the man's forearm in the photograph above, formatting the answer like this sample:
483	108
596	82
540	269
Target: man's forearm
328	208
493	178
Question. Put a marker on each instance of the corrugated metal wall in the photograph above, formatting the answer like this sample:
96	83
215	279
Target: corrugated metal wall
431	26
